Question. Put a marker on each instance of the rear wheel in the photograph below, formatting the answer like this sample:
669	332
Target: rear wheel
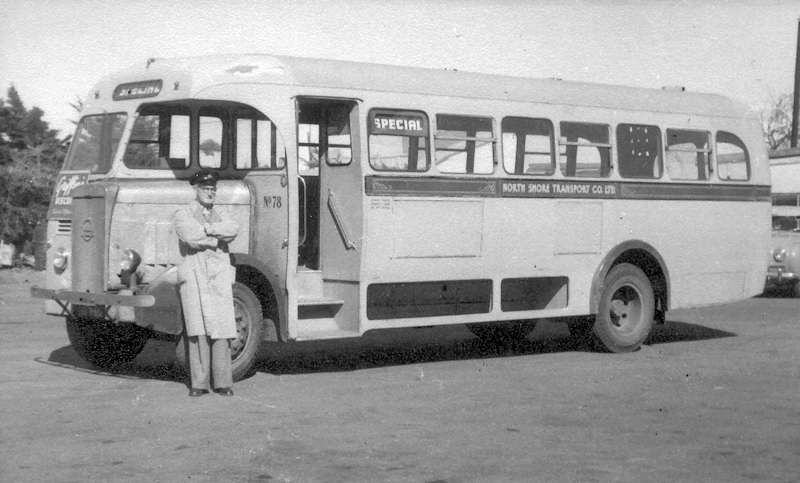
502	332
249	333
104	343
626	311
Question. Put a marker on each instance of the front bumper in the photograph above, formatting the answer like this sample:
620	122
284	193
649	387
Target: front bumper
777	274
118	306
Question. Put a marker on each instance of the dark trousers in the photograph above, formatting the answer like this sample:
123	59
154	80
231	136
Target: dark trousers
210	362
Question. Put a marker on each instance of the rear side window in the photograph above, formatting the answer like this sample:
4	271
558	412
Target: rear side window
528	146
639	151
398	140
687	154
733	161
159	139
585	150
464	144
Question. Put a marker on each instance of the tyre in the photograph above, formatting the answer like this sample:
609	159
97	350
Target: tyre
249	333
104	343
796	290
626	311
502	332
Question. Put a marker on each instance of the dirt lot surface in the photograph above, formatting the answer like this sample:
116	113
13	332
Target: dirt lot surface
715	397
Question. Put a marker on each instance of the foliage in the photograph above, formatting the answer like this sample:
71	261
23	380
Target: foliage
30	156
776	122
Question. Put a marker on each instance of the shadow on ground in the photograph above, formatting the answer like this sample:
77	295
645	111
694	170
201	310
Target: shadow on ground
156	361
377	349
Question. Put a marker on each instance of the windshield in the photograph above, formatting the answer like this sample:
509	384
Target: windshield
95	142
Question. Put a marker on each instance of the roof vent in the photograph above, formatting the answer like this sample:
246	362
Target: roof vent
674	88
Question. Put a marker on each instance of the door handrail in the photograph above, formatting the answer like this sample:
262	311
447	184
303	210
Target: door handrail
348	243
305	202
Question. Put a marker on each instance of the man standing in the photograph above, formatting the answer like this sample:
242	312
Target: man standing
205	278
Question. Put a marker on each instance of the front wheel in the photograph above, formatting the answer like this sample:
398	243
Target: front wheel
104	343
249	332
626	311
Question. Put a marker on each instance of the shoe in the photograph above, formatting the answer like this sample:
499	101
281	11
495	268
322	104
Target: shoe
224	391
197	392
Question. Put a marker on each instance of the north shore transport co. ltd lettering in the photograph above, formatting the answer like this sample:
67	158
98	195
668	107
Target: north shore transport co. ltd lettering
555	188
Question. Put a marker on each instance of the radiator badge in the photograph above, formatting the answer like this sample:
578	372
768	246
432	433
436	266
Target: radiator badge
87	230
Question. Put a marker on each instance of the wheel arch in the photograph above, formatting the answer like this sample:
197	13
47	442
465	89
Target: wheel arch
266	286
639	254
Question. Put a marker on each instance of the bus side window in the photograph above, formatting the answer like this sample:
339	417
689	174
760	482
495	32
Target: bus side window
528	146
398	140
210	139
733	161
258	145
639	151
159	139
464	144
687	154
585	150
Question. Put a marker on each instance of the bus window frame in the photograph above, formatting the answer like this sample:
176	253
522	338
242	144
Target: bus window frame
708	169
251	114
122	142
605	172
190	112
741	145
224	115
427	136
660	154
552	153
492	139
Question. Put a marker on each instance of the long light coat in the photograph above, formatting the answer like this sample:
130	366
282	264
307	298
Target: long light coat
205	275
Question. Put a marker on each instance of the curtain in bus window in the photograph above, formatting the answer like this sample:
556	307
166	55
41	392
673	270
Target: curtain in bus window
464	144
639	151
398	140
527	146
584	150
95	142
159	139
687	154
733	161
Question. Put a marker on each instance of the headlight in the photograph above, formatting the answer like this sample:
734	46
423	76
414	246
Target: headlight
60	260
130	261
779	254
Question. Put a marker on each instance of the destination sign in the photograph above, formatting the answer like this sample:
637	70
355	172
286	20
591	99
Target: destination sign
137	90
405	124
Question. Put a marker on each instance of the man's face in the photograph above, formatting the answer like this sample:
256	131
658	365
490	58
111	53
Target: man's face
206	194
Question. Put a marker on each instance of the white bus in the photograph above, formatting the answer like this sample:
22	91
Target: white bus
784	268
379	197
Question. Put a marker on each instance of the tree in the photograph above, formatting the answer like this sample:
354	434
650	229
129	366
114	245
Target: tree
776	122
31	155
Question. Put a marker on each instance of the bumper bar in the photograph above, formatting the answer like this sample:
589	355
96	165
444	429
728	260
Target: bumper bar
87	298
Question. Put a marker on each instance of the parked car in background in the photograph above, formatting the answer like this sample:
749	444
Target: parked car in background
784	268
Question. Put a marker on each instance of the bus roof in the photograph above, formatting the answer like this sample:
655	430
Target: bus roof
206	71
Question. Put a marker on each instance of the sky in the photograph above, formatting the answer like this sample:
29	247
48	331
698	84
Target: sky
53	51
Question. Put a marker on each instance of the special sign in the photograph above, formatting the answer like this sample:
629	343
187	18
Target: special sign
137	90
405	124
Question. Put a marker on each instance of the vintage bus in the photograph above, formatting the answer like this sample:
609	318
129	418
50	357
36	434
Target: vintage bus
784	267
381	197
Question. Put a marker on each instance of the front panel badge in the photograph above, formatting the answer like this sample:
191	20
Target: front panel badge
87	230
